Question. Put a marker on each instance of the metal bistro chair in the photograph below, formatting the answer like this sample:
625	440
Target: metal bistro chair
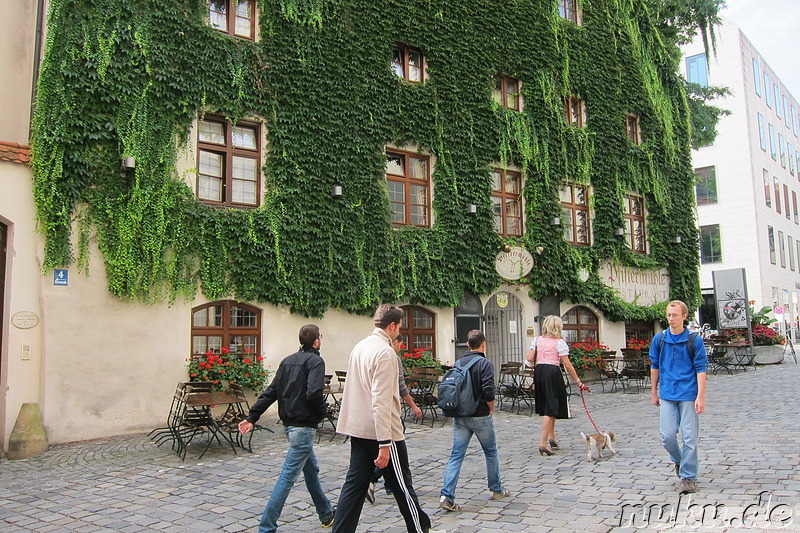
526	391
237	412
509	383
609	371
422	386
636	369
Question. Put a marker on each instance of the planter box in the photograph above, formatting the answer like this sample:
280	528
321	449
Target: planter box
769	355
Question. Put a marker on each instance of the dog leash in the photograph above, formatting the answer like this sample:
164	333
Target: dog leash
586	408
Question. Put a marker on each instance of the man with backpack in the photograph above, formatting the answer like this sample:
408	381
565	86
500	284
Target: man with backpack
678	364
467	394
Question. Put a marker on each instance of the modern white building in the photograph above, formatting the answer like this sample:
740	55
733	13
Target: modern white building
748	180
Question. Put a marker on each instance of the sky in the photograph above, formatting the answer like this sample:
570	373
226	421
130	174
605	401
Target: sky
773	26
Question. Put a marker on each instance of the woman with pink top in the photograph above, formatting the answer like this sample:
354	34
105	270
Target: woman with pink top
547	352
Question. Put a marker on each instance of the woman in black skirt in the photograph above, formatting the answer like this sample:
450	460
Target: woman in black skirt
547	351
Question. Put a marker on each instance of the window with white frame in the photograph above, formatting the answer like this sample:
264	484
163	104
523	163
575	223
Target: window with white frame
768	89
697	70
771	239
782	248
782	147
786	202
228	162
757	76
777	92
706	185
776	189
710	244
767	189
773	143
790	248
762	131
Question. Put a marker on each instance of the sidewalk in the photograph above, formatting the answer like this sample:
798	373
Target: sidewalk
750	442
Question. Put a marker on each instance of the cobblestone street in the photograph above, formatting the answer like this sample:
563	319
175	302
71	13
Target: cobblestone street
750	443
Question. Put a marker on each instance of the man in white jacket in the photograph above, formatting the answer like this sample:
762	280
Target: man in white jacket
370	415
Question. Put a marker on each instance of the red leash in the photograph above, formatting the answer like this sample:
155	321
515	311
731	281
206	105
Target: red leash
587	412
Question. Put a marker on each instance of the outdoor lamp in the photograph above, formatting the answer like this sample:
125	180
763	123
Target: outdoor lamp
337	190
555	221
619	232
129	163
472	209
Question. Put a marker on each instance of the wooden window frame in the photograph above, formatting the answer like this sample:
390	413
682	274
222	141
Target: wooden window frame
410	332
228	151
571	209
226	331
407	181
570	10
568	102
230	6
633	129
630	219
404	66
639	330
506	197
502	95
580	326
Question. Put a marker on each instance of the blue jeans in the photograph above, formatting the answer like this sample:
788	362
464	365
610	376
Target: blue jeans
300	457
675	416
463	429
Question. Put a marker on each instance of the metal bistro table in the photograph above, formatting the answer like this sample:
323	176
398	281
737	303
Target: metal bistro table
196	412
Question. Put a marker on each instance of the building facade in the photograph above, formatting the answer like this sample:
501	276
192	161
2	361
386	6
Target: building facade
748	180
210	176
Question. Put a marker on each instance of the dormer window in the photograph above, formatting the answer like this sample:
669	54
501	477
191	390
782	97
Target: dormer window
408	63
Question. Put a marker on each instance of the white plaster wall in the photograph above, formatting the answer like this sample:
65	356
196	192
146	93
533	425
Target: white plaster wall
20	379
17	39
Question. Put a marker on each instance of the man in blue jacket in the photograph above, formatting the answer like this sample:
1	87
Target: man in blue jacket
297	387
678	376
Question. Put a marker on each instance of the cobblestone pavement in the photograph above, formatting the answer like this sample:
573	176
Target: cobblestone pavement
749	449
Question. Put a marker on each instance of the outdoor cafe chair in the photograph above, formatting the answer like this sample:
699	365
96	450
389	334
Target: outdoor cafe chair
235	413
636	369
526	392
610	371
509	382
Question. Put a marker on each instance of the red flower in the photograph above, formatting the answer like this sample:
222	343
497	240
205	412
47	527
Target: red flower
225	351
193	375
247	375
247	350
209	353
259	358
403	347
247	361
222	371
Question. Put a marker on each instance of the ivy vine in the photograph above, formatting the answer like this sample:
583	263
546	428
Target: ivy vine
126	79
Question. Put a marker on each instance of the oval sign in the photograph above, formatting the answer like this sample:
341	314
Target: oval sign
514	264
25	319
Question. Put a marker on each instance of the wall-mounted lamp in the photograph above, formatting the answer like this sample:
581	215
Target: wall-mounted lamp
583	275
619	232
129	163
677	240
472	209
337	190
507	248
540	250
555	221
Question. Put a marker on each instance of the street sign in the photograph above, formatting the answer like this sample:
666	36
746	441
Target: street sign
61	277
778	310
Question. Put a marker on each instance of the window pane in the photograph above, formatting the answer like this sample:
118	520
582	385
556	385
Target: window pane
215	344
242	318
512	207
512	183
212	132
209	188
710	244
581	198
244	137
243	8
394	165
396	191
210	164
243	27
565	194
418	168
498	214
397	62
414	65
423	342
497	180
244	168
422	320
244	192
199	344
696	70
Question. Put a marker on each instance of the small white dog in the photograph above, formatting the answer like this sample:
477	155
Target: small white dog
596	442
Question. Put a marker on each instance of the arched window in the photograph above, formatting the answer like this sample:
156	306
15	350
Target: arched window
234	325
580	324
639	330
419	328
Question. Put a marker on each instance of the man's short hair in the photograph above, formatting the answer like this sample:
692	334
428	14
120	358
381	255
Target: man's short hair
475	338
399	338
387	314
308	334
679	303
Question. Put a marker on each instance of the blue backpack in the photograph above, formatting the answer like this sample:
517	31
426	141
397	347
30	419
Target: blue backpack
456	396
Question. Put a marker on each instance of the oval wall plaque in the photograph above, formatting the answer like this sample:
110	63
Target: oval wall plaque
25	319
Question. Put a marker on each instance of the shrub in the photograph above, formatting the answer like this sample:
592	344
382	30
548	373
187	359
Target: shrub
416	357
586	355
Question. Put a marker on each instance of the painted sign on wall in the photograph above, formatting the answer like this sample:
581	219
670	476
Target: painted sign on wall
636	285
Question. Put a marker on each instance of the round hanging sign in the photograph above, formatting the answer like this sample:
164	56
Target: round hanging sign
514	264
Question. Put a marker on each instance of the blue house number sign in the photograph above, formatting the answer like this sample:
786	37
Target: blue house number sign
61	277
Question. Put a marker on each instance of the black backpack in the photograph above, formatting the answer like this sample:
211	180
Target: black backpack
689	344
456	396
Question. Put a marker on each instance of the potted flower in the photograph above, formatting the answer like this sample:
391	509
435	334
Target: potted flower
586	355
243	368
416	357
637	344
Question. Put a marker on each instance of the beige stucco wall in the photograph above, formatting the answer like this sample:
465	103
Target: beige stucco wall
21	379
17	38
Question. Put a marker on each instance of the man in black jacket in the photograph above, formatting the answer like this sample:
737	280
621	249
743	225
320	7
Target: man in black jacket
478	423
297	387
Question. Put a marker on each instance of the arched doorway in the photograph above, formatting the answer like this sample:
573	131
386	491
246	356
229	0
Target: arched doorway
580	324
468	316
504	329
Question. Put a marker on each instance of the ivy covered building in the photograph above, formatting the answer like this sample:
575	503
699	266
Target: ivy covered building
210	175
